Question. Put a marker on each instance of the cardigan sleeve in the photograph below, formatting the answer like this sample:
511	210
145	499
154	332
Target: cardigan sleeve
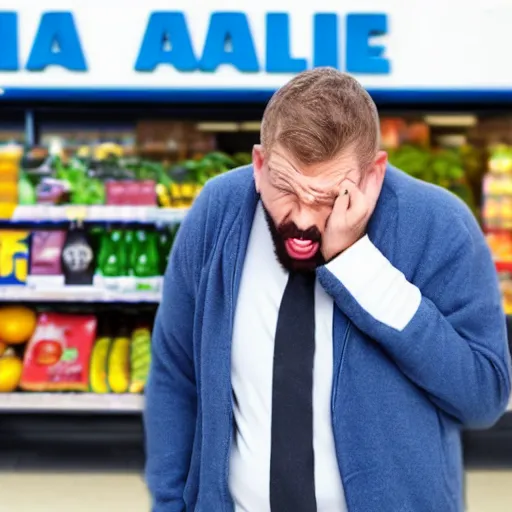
454	347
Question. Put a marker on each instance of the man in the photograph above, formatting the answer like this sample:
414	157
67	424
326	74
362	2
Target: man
328	326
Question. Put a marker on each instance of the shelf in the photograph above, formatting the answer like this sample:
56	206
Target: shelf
34	402
70	403
75	294
115	290
48	214
112	290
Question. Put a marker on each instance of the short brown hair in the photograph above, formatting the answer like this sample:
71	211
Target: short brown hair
320	113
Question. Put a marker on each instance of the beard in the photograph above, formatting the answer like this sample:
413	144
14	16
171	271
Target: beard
287	230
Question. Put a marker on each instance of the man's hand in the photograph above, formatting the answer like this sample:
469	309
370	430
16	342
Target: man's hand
349	218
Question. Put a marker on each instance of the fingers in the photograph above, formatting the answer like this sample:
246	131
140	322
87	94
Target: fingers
357	203
342	201
352	190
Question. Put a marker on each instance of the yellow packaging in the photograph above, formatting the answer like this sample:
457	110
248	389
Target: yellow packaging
14	256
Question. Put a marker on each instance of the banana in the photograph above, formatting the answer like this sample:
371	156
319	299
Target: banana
119	365
98	366
140	358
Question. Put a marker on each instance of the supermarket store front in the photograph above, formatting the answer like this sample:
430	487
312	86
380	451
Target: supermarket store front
174	87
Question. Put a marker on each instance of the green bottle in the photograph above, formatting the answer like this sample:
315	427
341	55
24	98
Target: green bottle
146	261
101	248
113	261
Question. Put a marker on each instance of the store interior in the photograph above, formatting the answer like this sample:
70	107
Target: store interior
91	198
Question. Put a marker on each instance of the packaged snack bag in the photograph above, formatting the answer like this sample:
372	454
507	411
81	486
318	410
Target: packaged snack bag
58	354
14	256
45	256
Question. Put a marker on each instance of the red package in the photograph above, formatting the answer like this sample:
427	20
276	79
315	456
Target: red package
147	193
116	192
58	354
131	193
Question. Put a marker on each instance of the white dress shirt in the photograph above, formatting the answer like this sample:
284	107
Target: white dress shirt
261	290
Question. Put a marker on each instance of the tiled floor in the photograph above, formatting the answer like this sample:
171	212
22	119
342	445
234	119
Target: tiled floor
115	492
490	491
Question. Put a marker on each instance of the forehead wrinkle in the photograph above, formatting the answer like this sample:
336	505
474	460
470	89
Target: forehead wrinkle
279	169
302	186
328	188
315	195
279	160
284	170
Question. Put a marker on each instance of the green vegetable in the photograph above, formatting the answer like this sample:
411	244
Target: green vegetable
26	191
242	158
86	176
443	167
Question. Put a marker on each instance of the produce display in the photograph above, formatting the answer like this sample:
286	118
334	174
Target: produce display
497	189
104	176
442	166
497	216
97	353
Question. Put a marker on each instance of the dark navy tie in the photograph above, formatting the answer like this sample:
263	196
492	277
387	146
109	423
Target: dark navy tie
292	465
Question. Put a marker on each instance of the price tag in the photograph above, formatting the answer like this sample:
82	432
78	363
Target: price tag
154	215
76	213
42	212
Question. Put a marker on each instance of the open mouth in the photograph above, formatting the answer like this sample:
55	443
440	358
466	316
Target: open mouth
300	249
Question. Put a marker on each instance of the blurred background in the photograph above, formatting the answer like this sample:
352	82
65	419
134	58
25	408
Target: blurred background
112	118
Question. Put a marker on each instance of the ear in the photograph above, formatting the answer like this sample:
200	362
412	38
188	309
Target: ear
380	165
375	177
258	159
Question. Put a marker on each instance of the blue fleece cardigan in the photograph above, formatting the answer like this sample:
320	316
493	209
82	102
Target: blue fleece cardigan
399	399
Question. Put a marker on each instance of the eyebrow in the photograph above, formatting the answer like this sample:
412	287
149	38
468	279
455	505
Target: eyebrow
333	191
322	196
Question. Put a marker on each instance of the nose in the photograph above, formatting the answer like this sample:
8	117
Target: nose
305	216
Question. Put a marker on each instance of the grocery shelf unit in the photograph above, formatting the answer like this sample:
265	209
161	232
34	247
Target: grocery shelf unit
42	423
493	447
37	425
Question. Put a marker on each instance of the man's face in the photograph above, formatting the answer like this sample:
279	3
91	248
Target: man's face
298	201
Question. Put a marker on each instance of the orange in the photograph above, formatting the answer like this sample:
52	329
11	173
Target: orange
10	373
17	323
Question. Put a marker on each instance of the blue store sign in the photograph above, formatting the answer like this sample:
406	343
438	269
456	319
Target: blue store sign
107	50
229	41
